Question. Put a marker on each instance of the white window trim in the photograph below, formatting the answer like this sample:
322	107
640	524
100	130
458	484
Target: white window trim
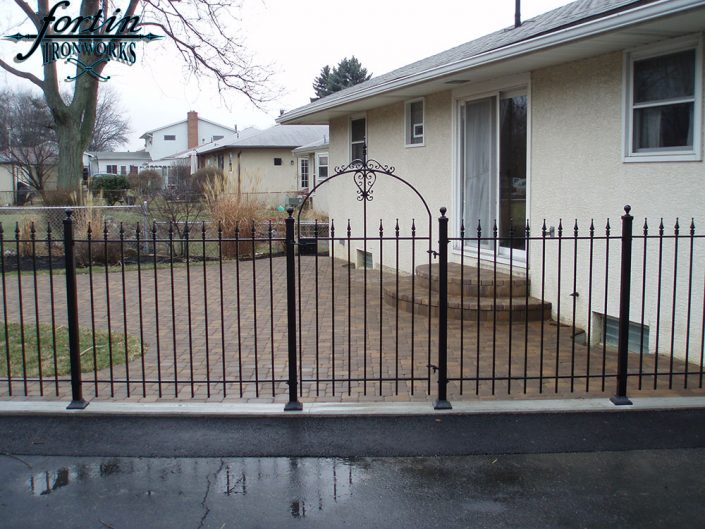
407	122
308	172
318	165
654	50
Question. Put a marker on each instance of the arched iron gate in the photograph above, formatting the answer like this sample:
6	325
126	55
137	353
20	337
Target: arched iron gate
353	323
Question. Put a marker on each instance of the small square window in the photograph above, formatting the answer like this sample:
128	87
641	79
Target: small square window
277	161
664	99
414	123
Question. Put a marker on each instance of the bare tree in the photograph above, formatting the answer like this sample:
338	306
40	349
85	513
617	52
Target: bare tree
201	30
111	128
36	163
30	142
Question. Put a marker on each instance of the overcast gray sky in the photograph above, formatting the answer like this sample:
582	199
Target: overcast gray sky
297	38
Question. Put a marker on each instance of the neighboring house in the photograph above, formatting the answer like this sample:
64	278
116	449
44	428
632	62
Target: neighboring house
118	163
15	186
164	148
8	181
163	142
570	115
263	163
312	162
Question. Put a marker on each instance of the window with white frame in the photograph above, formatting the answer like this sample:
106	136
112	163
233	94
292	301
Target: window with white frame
303	172
414	123
322	163
111	169
664	101
358	143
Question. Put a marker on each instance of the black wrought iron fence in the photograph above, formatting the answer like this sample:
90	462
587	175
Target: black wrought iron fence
577	308
353	311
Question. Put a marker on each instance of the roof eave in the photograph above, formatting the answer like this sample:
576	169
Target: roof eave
588	29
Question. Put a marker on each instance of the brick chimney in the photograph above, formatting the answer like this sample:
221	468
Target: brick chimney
192	128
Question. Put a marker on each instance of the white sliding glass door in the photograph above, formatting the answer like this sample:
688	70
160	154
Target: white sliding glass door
493	138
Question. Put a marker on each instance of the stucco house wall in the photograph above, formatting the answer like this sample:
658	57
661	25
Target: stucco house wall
576	171
257	175
427	168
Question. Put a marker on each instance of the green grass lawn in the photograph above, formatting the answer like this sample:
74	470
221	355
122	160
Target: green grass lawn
102	347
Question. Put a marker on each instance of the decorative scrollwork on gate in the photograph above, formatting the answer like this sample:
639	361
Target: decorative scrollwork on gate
364	175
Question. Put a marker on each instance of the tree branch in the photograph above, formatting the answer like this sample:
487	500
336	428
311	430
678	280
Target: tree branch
203	36
24	6
24	75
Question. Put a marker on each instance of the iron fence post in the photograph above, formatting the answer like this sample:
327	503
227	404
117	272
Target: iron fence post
293	404
442	402
77	402
621	399
145	226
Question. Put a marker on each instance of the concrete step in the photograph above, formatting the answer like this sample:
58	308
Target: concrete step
489	308
465	279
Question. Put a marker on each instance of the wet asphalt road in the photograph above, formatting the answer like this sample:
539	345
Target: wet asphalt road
644	489
584	470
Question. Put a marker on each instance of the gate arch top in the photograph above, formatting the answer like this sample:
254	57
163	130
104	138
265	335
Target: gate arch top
364	176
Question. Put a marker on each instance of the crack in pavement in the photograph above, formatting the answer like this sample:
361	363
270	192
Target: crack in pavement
204	501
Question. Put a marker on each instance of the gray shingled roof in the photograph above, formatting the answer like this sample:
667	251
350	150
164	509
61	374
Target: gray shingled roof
121	155
318	144
562	17
287	136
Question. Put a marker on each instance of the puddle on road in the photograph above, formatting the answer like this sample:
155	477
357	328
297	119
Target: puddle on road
308	484
44	483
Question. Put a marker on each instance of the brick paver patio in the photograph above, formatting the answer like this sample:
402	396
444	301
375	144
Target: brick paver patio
244	353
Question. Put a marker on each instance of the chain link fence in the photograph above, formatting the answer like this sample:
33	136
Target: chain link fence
39	231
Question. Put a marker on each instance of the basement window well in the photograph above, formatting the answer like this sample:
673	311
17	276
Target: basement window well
609	335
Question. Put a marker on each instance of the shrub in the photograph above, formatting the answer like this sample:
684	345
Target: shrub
146	183
207	178
60	197
229	210
100	251
113	187
25	236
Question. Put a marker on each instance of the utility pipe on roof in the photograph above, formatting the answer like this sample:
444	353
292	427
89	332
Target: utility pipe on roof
517	14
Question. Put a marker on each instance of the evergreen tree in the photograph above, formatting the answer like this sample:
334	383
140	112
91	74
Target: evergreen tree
348	72
322	83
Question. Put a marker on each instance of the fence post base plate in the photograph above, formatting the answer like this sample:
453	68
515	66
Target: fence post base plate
442	405
621	401
293	405
77	405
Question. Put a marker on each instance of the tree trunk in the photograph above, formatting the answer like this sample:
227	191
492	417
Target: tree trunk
70	164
